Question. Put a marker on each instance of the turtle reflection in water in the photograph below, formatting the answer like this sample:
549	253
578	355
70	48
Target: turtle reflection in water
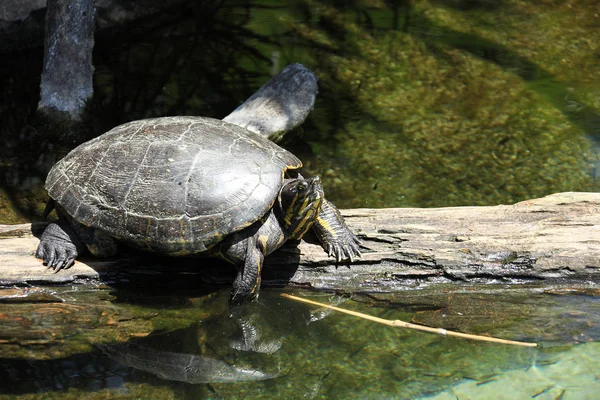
183	186
189	368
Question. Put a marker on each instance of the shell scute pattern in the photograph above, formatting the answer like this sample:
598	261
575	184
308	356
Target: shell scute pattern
175	185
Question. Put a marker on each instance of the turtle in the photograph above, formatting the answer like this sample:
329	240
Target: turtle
185	186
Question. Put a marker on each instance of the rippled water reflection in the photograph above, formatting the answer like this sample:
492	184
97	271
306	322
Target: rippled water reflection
323	354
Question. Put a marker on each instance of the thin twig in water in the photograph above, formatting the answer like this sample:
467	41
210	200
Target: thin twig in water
408	325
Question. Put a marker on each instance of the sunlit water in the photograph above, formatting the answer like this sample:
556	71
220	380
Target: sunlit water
309	353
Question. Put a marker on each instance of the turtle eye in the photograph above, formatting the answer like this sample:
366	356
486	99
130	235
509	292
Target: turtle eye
301	188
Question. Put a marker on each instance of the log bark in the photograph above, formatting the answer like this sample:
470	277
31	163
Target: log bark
280	105
552	239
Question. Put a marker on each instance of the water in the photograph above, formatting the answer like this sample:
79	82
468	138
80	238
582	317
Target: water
307	352
421	103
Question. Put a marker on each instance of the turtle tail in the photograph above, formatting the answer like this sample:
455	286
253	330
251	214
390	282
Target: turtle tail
50	204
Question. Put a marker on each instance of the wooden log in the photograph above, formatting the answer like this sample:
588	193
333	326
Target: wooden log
552	239
280	105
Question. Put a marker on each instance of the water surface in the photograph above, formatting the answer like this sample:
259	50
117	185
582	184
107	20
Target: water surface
305	352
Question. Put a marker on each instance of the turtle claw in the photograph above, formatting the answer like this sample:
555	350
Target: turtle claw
333	251
57	249
54	257
335	237
65	260
343	251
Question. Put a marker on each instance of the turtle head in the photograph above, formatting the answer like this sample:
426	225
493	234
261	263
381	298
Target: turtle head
300	201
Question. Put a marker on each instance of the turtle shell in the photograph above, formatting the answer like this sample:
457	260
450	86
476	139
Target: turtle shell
176	185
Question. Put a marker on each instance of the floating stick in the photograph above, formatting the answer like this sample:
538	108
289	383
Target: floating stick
408	325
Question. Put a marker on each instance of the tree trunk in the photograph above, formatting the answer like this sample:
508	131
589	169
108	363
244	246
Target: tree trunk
555	238
67	75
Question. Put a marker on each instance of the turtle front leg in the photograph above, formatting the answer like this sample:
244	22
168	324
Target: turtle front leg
333	233
247	283
59	245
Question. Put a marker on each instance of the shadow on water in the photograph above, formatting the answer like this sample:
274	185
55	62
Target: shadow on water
541	81
438	39
137	273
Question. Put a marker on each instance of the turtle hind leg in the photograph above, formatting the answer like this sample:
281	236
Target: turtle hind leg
97	242
59	245
66	239
333	233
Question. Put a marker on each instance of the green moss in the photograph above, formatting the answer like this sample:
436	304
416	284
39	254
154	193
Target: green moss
83	317
429	124
428	103
128	391
9	214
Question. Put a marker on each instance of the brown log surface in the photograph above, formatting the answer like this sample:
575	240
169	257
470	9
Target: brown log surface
554	238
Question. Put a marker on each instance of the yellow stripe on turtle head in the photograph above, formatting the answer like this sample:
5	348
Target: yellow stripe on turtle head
301	202
305	224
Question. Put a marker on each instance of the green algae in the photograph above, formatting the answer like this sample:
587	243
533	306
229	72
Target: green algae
425	103
69	320
430	122
128	391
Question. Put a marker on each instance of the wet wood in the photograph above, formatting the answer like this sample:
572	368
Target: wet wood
280	105
555	238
